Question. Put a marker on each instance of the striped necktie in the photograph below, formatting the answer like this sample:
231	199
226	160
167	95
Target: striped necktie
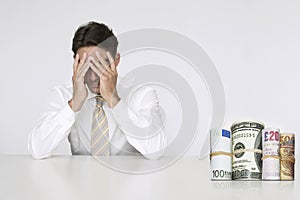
99	132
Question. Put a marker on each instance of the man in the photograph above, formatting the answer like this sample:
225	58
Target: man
95	118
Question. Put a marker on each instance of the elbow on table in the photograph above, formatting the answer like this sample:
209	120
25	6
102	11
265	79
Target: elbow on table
156	151
36	150
39	156
154	155
38	153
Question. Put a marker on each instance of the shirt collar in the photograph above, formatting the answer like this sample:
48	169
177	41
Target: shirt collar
90	94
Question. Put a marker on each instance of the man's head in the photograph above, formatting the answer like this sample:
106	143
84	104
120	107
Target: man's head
92	37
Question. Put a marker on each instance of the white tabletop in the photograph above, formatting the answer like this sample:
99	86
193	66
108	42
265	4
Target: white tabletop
84	177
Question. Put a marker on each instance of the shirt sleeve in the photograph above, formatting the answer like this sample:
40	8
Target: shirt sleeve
140	120
54	125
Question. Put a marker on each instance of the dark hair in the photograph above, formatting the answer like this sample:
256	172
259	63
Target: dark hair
95	34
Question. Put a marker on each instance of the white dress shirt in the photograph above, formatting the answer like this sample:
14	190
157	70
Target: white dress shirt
135	125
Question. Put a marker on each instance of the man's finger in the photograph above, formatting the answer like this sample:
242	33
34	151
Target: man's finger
102	61
82	61
82	71
111	61
81	74
98	65
75	63
97	71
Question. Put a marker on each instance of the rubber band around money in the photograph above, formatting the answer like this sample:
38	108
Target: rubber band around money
270	156
247	150
220	153
288	159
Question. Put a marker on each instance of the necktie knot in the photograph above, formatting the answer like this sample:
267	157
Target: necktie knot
99	101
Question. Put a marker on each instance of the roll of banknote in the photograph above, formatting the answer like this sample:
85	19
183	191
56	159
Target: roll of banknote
271	158
247	150
287	161
220	156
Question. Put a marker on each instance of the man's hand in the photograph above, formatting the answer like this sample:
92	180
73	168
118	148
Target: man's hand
108	78
79	89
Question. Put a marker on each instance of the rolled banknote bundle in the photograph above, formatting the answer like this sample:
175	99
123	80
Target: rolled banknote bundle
271	157
247	150
220	156
287	161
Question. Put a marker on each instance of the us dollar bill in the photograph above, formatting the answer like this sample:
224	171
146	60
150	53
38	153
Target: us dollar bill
271	158
287	162
247	150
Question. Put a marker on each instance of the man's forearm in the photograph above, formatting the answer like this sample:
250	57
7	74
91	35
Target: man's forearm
146	136
50	131
113	100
